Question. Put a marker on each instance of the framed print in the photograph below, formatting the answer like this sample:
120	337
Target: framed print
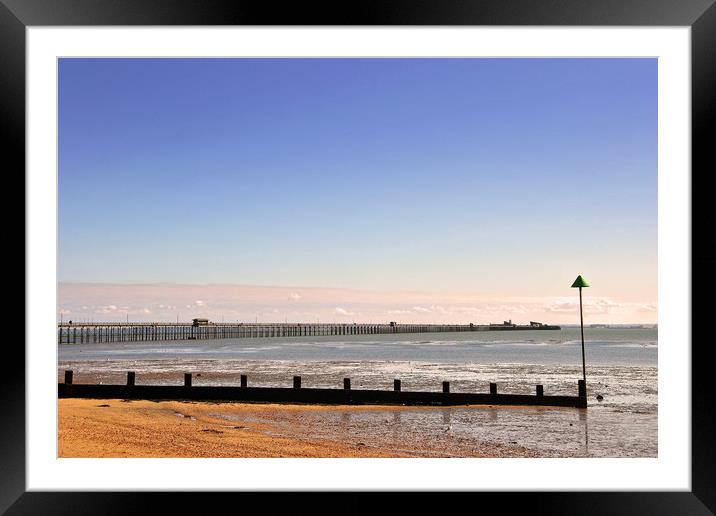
340	251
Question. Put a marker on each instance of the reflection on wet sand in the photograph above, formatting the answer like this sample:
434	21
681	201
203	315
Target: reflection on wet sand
585	422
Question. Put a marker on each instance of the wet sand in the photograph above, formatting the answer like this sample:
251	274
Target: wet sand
141	428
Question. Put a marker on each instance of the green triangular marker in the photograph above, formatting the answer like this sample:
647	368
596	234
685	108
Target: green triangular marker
580	282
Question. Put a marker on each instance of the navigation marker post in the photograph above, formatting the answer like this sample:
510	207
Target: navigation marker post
579	283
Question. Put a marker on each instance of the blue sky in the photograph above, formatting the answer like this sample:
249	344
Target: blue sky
493	177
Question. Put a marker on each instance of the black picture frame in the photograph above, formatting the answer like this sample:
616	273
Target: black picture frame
700	15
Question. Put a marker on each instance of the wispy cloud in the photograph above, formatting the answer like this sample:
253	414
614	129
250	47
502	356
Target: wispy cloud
342	311
591	306
648	307
162	302
108	309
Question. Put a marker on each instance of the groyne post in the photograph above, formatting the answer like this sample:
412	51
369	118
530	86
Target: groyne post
187	379
582	393
493	388
68	377
446	386
244	380
396	385
130	378
296	382
540	390
347	384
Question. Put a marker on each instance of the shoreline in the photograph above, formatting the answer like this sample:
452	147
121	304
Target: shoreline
94	428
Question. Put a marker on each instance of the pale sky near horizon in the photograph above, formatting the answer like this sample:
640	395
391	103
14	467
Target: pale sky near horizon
369	186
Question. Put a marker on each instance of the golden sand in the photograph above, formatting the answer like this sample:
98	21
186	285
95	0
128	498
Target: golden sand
140	428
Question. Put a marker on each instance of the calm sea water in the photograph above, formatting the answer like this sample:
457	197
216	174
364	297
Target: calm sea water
621	366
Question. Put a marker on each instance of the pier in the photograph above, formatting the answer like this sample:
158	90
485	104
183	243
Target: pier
298	394
101	332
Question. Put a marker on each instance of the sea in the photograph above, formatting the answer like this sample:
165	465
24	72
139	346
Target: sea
621	369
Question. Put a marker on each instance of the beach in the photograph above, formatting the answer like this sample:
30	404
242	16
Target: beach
123	428
621	367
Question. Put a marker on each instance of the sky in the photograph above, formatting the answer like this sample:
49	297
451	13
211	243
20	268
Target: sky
365	190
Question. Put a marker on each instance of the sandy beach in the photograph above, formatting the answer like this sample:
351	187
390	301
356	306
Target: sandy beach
124	428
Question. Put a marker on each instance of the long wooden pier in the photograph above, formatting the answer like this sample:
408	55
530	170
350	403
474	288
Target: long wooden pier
80	333
299	394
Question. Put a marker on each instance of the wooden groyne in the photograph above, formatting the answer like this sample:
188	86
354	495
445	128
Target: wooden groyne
80	333
299	394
